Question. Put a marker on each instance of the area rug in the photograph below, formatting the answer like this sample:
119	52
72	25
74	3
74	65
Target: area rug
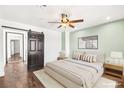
49	82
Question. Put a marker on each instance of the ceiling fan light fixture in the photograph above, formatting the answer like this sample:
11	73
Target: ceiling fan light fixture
64	15
64	25
65	21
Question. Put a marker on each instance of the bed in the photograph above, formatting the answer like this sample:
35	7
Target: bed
73	73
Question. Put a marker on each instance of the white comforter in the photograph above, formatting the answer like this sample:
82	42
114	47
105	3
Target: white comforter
81	73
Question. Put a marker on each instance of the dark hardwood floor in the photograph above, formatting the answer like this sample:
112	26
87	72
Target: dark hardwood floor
15	58
17	76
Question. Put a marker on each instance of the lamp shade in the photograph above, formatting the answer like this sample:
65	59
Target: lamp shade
62	54
117	55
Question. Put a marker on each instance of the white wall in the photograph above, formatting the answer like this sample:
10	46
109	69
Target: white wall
52	42
12	47
52	45
17	46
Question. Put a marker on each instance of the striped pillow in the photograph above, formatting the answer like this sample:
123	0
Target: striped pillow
88	58
76	55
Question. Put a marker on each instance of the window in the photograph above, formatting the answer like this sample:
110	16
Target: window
90	42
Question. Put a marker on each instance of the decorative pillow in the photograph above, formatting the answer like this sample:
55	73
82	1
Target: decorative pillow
76	55
88	58
81	57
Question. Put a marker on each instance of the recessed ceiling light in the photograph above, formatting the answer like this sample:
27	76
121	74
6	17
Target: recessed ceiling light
108	18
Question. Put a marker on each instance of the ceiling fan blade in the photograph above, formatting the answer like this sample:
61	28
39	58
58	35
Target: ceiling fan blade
59	26
71	26
54	22
76	21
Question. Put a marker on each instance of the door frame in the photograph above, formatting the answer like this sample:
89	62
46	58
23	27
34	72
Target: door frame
6	36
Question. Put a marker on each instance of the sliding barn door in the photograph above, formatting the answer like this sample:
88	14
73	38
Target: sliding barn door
35	50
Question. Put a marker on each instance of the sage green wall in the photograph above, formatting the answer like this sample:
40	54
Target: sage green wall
110	35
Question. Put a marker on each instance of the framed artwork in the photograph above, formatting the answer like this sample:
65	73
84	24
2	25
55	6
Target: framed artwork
90	42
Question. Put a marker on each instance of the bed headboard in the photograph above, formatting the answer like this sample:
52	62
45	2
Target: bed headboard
100	56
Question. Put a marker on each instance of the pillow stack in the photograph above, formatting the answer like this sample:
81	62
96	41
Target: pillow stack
78	55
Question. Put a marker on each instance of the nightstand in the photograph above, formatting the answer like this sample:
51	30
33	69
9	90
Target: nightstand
114	71
61	58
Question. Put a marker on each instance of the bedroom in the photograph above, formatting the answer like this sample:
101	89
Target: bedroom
56	45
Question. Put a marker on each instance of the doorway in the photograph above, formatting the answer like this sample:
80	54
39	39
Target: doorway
14	47
15	51
31	46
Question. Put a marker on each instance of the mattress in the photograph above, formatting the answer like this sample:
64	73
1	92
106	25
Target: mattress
72	73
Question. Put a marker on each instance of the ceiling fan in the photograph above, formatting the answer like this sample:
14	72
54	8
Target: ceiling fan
66	22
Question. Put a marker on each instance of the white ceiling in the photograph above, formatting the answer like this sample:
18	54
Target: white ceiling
40	16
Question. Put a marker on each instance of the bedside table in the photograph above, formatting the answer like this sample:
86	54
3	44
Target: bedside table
61	58
114	70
